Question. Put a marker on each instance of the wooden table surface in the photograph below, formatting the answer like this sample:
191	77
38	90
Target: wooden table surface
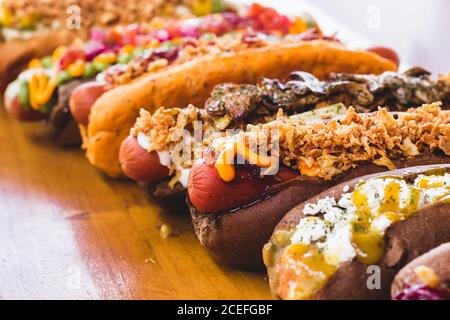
67	232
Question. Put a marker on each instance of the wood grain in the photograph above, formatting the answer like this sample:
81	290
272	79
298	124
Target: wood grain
67	232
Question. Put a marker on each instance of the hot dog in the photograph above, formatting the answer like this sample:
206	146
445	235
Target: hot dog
232	106
30	29
324	154
333	245
425	278
46	86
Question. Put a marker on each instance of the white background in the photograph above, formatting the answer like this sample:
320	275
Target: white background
419	30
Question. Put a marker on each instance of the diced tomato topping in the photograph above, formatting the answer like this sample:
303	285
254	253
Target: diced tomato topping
71	56
268	19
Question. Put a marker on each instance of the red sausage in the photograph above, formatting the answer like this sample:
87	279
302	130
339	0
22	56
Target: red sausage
387	53
15	110
140	165
209	193
83	98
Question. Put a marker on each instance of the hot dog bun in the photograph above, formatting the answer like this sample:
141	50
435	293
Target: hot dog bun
403	241
114	112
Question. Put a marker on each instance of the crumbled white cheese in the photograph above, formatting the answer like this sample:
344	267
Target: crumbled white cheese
334	215
332	231
339	247
311	209
346	201
323	205
381	223
326	204
308	230
346	188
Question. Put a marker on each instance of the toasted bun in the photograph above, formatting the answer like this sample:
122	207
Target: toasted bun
115	112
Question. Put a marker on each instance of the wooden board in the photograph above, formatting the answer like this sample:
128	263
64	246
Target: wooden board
67	232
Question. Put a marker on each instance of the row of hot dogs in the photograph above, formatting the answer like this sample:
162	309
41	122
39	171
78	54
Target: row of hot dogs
292	151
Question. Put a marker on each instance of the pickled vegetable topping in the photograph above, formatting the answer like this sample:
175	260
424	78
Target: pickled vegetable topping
184	40
336	231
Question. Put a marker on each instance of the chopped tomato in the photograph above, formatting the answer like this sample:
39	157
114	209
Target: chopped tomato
254	10
71	56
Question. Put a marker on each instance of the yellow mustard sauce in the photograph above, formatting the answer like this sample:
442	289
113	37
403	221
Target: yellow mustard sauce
425	183
370	243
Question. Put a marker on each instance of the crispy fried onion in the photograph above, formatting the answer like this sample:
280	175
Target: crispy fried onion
327	149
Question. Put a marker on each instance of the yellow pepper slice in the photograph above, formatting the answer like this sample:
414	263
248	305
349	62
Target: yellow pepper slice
35	63
106	58
47	92
41	89
58	53
76	69
33	87
127	49
154	43
298	26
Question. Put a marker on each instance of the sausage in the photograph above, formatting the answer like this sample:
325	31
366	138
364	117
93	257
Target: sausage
236	237
209	193
140	165
83	98
387	53
350	279
15	110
